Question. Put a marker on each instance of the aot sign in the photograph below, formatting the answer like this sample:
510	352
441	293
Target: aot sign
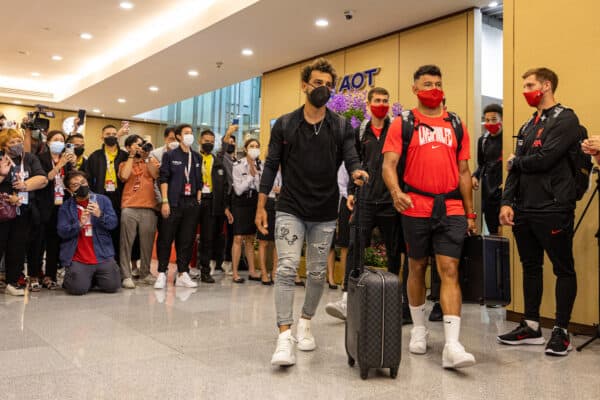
358	80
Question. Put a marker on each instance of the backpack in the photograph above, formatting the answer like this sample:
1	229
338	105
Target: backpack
408	129
580	163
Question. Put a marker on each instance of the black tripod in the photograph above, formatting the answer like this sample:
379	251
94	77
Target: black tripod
596	191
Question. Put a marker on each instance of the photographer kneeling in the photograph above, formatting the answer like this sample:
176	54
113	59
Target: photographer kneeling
84	223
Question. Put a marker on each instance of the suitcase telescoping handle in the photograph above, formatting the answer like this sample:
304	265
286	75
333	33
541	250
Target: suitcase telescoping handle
359	246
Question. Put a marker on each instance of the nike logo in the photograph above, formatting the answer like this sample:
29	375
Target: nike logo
556	231
435	147
521	337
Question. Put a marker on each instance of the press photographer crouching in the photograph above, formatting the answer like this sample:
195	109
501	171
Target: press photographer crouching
84	223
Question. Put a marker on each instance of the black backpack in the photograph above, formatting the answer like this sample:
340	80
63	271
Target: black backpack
408	129
580	163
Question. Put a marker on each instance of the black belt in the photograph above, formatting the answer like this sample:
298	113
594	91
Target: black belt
438	214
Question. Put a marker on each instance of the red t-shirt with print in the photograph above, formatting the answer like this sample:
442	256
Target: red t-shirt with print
84	253
431	162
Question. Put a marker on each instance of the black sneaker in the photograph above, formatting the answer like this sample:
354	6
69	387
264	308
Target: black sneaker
436	314
206	278
559	344
522	334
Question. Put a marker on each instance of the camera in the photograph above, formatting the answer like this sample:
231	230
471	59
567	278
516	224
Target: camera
348	14
37	123
147	147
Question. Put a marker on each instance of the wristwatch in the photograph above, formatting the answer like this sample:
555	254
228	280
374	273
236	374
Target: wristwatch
472	216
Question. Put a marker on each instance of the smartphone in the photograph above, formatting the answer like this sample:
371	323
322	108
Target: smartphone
70	148
81	116
93	198
236	121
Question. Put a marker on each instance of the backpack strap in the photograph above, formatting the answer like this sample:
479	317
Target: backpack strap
362	129
454	119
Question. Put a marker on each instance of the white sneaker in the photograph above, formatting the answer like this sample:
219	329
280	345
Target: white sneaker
227	267
14	290
128	283
306	340
148	280
455	356
285	352
184	280
194	273
213	266
161	281
338	309
418	340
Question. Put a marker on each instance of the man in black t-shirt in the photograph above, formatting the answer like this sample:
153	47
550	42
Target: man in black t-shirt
310	145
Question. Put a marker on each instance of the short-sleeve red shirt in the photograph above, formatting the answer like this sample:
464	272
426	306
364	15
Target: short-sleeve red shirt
431	161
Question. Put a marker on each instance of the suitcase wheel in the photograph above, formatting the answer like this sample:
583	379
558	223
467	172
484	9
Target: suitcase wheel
351	361
364	373
393	372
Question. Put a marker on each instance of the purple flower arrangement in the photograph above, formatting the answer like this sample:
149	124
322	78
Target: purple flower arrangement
352	104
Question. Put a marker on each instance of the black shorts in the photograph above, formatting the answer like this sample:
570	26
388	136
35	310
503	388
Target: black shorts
269	237
422	240
342	237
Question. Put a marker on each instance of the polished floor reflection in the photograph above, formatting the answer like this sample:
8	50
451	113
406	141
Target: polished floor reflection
215	342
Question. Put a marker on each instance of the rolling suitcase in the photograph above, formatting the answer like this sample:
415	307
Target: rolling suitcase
374	316
485	270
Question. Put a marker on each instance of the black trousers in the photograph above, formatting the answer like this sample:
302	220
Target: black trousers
210	230
52	245
491	211
14	238
390	226
181	228
553	233
115	234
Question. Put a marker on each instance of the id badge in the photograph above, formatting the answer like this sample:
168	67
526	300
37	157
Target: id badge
23	197
88	230
188	189
58	198
206	189
110	186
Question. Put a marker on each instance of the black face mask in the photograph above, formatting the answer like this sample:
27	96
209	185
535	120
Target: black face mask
82	192
207	147
111	141
78	151
319	96
230	148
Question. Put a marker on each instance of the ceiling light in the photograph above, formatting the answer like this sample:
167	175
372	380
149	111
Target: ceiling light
57	57
17	102
122	100
126	5
247	52
96	110
86	36
35	74
322	22
153	89
493	4
192	72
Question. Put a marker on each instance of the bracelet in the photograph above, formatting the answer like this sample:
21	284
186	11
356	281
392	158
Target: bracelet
165	201
471	216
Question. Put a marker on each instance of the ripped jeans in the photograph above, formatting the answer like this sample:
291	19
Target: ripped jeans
289	239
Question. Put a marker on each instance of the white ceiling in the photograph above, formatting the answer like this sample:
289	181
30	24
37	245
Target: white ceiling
158	41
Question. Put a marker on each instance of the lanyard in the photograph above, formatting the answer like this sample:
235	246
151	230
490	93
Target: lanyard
189	167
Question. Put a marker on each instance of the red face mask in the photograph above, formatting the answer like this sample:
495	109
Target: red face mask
431	98
380	111
534	97
493	128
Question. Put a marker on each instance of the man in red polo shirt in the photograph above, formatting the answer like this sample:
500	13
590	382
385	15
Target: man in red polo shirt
436	201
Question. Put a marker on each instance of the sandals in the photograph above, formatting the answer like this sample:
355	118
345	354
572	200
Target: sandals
49	284
254	278
239	280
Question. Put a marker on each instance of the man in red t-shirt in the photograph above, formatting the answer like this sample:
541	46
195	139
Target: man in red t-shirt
436	203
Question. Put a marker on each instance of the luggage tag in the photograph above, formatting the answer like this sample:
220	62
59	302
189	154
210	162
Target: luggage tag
188	189
110	186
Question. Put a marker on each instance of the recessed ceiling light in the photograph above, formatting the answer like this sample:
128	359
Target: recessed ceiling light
35	74
247	52
57	57
96	110
192	72
122	100
126	5
17	102
153	89
493	4
86	36
321	22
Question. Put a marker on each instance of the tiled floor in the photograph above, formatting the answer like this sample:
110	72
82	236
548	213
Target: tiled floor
216	342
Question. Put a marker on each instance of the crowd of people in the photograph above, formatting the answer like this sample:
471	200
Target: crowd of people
100	217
